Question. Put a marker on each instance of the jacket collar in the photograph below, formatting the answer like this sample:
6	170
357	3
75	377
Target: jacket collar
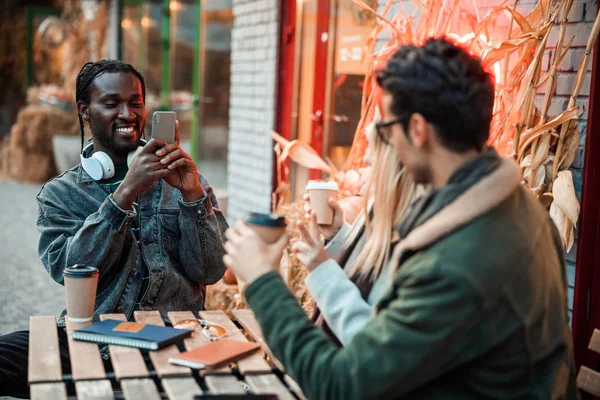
480	198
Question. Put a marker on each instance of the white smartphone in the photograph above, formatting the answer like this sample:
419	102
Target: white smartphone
163	126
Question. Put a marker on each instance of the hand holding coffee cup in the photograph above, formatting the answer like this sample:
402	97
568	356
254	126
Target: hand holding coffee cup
339	217
81	283
319	193
269	227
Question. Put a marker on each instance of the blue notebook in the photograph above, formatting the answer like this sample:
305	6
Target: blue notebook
131	334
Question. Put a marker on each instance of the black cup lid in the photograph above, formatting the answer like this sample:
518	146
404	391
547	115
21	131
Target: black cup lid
80	271
270	220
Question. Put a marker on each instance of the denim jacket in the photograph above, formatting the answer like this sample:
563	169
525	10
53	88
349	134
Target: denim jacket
180	243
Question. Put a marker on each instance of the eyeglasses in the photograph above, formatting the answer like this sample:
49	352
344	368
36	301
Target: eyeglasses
211	330
382	132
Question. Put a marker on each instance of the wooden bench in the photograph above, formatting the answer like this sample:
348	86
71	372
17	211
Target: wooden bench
132	379
588	380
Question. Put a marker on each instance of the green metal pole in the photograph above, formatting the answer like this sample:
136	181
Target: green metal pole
120	6
196	84
141	65
165	35
29	47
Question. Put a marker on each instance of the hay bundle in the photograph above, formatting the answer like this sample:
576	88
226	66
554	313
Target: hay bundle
36	126
542	144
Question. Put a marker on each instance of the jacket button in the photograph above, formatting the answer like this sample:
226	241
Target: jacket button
121	309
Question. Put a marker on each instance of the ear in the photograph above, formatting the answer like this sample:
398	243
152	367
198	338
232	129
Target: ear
419	131
83	110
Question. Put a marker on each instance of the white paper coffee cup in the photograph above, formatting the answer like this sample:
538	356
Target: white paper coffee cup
320	192
81	283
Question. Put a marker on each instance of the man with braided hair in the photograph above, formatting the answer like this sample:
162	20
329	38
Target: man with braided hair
477	299
152	226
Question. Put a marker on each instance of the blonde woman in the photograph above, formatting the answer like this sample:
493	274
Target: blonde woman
353	279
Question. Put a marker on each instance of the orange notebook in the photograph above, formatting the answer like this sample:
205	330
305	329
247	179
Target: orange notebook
214	354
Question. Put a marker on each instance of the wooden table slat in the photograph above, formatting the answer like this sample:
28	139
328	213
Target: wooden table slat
224	384
160	357
48	391
588	380
94	390
252	364
181	388
196	340
44	356
269	384
294	387
127	362
139	389
86	362
246	318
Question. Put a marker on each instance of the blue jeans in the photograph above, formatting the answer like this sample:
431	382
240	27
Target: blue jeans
14	352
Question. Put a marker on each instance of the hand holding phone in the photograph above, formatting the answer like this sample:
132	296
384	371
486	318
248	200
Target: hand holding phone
163	126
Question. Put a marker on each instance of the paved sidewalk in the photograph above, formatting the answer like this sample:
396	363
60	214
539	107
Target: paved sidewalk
25	287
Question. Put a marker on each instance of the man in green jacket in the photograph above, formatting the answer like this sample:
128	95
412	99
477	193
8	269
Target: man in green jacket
477	304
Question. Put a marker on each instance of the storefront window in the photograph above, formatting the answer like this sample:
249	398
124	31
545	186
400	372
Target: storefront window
353	27
340	46
184	17
215	45
142	47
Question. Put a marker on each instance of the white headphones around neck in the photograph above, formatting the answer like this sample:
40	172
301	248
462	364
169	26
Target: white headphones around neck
100	166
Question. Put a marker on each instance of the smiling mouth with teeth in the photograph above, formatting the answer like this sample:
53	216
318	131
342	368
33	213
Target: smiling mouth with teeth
124	130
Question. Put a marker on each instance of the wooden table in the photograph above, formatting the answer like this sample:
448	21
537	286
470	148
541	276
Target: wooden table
133	378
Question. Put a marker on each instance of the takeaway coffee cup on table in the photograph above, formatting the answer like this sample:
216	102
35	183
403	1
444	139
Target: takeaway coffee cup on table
269	227
320	192
81	282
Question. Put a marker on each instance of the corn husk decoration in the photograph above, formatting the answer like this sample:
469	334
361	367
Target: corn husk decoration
544	145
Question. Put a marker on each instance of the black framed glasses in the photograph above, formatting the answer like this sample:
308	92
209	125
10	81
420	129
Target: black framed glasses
383	131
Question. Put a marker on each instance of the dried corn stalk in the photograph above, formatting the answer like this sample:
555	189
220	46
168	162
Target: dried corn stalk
544	145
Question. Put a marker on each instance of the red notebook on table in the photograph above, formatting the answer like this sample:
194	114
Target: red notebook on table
214	354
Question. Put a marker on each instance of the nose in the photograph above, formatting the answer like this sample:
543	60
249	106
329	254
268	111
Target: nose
125	112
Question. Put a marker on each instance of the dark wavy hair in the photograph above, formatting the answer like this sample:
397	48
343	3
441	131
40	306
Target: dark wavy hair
90	71
446	85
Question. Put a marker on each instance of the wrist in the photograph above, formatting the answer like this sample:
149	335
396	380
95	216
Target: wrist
124	198
255	275
189	196
320	259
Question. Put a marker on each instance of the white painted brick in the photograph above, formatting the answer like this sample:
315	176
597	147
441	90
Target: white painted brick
591	9
565	83
581	31
578	11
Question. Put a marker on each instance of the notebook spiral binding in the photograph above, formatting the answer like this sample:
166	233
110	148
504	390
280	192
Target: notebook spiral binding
129	342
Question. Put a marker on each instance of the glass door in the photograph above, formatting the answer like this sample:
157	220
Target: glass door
183	49
331	36
353	26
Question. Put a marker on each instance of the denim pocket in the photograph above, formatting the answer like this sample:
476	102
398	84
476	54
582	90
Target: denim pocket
170	232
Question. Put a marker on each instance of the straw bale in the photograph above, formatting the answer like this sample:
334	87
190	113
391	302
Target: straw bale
37	124
22	165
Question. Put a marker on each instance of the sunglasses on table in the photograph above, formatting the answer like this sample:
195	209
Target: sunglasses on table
211	330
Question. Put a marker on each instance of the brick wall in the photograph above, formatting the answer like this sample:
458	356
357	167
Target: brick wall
254	44
581	17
